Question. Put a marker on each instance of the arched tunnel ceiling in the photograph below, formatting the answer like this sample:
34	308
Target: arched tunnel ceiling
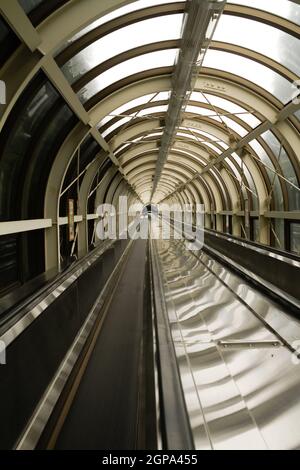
113	64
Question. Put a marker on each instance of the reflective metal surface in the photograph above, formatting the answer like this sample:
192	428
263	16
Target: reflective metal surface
38	421
234	348
38	306
259	249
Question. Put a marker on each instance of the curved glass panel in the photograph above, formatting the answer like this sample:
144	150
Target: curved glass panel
122	40
249	119
249	179
198	110
116	125
22	133
119	149
134	6
122	121
278	225
8	41
146	136
226	105
47	7
274	179
151	98
295	237
284	8
193	156
125	69
297	115
287	169
233	172
252	71
267	40
153	109
29	5
201	135
186	136
216	101
232	125
213	147
125	107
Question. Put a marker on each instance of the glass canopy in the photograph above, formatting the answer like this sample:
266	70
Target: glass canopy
129	67
122	40
238	133
284	8
267	40
250	70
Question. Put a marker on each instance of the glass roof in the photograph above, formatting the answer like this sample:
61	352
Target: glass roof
121	40
285	8
134	6
129	67
131	104
267	40
124	50
29	5
250	70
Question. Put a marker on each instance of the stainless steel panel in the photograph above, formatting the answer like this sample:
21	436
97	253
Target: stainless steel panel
240	380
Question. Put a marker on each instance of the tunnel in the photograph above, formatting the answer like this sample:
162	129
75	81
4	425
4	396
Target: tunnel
149	225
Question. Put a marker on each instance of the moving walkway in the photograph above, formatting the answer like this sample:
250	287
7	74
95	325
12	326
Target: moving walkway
145	344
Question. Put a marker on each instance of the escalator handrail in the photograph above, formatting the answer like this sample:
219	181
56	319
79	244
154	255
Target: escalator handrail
18	318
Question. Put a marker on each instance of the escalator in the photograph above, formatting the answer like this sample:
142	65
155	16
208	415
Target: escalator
149	345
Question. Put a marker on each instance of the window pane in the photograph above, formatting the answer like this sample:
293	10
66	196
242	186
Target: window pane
267	40
115	126
255	225
249	182
201	135
29	5
153	109
88	150
8	41
274	179
38	10
252	71
232	125
230	122
249	179
9	262
227	106
198	110
278	225
125	69
283	8
124	39
151	98
125	107
295	237
19	142
134	6
287	169
297	114
123	121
